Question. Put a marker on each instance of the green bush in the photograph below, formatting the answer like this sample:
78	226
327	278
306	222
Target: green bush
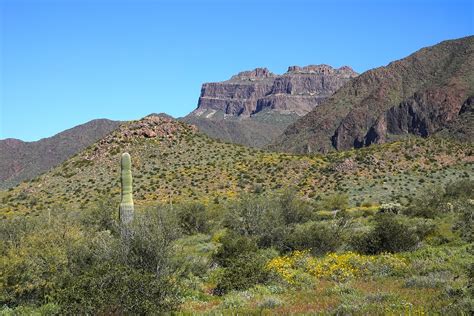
193	218
465	222
243	271
335	202
390	234
268	218
435	201
110	289
243	263
270	302
233	245
100	216
256	216
425	281
150	245
461	189
46	310
320	237
293	209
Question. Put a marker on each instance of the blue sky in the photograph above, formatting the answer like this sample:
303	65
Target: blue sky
66	62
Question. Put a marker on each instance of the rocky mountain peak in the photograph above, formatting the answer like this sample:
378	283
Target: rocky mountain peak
297	91
257	73
323	69
11	142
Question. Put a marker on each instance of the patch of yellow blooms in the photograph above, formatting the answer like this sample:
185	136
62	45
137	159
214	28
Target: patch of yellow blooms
334	266
287	267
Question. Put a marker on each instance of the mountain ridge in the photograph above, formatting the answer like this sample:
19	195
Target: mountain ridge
173	162
253	107
20	160
430	85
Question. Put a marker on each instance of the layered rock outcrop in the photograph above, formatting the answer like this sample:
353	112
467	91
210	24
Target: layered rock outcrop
298	91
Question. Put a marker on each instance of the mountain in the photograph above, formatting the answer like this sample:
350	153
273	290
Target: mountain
253	107
173	162
420	95
21	161
462	127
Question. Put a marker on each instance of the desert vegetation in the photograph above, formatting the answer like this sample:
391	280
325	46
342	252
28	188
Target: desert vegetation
217	228
259	252
181	165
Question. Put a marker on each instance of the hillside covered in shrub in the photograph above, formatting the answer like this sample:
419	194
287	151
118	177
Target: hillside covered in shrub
224	228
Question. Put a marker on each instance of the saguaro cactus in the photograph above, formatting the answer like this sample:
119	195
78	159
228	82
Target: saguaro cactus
126	204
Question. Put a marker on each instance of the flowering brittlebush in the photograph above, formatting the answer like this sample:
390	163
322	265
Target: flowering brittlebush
335	266
348	265
286	267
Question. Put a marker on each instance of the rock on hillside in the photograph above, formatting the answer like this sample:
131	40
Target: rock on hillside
21	161
255	106
419	95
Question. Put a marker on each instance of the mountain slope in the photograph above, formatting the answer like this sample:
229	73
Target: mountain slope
255	131
419	95
253	107
21	161
173	162
462	128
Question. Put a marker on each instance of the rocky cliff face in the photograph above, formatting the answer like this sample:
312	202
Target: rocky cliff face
298	91
420	94
422	114
253	107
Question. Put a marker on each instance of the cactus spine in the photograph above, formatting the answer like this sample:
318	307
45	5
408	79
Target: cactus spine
126	204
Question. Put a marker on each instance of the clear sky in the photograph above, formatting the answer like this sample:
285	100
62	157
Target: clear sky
66	62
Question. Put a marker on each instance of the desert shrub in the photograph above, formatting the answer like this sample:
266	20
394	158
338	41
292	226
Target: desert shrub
319	237
461	189
436	201
243	263
268	218
150	245
193	218
13	229
388	235
46	309
335	202
429	260
270	302
256	216
35	267
293	209
46	253
291	269
341	288
233	302
232	245
101	215
192	254
424	281
117	289
349	265
465	222
393	208
244	271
